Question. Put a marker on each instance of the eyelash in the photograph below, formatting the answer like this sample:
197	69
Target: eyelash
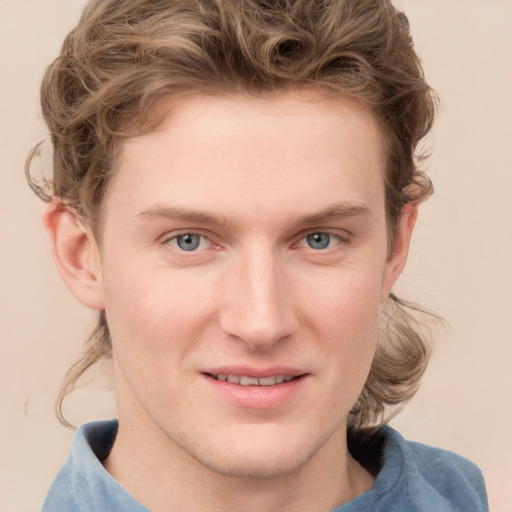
333	237
173	240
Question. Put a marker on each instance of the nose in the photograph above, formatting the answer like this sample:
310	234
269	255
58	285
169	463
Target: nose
258	306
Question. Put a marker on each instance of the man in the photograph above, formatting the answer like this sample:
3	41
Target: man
235	191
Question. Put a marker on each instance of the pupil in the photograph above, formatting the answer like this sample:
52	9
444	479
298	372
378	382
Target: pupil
318	240
188	242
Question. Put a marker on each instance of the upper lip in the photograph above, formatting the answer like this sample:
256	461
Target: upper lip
255	372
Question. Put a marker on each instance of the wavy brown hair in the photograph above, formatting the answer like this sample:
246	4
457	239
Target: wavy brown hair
126	56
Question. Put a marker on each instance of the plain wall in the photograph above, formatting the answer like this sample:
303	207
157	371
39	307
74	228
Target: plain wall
460	262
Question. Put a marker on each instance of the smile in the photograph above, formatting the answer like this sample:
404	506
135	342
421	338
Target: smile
253	388
245	380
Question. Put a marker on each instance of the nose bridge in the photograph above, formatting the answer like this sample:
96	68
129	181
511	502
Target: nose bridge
259	306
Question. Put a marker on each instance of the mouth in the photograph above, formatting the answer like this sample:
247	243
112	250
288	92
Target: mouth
251	388
246	380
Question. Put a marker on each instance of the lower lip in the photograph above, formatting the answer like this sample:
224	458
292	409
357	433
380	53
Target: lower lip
257	397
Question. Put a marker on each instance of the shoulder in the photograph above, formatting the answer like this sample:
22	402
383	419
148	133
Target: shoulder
438	478
60	495
83	484
442	468
413	477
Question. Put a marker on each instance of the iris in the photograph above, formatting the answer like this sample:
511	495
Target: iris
318	240
188	242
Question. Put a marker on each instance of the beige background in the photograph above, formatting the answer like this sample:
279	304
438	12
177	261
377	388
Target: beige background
460	265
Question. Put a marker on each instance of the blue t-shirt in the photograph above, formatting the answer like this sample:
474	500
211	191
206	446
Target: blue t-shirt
411	477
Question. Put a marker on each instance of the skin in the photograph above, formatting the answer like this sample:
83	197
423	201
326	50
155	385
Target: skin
252	177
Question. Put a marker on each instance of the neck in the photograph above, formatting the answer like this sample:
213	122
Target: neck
162	477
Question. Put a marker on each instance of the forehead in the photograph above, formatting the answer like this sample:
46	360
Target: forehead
234	154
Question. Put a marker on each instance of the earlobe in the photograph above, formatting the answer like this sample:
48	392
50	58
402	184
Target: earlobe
75	253
400	249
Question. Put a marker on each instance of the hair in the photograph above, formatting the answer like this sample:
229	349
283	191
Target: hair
125	57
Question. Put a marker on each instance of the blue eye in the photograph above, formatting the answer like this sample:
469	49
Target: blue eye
318	240
188	241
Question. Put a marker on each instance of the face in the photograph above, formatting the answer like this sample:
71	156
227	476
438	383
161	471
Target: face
242	267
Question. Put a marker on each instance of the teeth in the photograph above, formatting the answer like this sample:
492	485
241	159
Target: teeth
245	380
268	381
248	381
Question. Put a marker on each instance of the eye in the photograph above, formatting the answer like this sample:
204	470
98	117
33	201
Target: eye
318	240
189	241
321	240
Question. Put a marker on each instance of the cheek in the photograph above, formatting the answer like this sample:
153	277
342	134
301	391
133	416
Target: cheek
345	299
155	326
154	311
343	315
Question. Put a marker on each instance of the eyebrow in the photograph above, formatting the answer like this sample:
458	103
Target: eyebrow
182	214
335	212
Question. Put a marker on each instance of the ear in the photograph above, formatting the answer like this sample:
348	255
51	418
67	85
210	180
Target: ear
398	257
75	253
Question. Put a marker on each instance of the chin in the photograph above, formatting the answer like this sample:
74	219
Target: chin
258	456
247	465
